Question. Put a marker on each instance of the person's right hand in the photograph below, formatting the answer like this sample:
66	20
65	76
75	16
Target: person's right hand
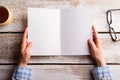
95	47
25	50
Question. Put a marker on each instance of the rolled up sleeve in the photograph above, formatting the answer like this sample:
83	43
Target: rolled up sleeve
102	73
21	73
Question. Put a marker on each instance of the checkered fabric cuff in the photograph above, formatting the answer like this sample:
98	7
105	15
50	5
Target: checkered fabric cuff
102	73
21	73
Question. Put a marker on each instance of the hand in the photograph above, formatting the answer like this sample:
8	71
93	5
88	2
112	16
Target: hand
25	50
95	47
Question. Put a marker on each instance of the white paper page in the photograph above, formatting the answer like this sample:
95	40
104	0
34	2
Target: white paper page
75	31
44	31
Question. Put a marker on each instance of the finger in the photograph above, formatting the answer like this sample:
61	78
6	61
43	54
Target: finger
29	46
24	41
95	35
91	44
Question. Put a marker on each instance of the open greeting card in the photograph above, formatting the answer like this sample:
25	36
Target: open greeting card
59	31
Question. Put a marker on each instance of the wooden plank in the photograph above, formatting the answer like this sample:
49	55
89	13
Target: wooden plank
58	72
6	72
19	9
10	49
52	72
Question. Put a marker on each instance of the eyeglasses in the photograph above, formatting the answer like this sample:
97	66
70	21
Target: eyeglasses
109	21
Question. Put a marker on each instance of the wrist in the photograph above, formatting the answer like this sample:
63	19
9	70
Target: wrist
22	64
101	64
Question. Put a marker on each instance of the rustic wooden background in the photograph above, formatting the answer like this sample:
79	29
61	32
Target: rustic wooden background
57	67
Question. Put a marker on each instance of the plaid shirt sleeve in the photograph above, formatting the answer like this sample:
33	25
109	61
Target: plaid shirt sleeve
102	73
21	73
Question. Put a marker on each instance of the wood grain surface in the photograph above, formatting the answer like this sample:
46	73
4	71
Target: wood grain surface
19	9
10	45
57	67
58	72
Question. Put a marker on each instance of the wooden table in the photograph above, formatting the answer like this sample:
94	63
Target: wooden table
57	67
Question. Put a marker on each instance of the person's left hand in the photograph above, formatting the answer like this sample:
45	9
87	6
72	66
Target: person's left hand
25	50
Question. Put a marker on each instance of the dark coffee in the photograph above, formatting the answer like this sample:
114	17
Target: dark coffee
4	14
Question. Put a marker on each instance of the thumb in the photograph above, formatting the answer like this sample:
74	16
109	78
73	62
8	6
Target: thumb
91	44
29	46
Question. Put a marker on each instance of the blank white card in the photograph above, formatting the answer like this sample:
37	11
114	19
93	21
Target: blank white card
59	31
